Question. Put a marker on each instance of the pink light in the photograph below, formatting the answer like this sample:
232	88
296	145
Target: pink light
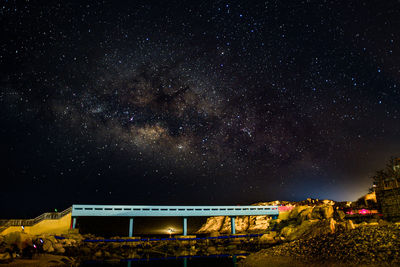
363	211
285	208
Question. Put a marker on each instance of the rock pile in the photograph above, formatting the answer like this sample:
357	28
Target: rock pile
368	244
24	246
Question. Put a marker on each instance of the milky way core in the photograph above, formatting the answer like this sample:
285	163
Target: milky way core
175	102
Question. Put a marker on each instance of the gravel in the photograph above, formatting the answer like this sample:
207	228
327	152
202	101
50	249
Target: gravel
363	245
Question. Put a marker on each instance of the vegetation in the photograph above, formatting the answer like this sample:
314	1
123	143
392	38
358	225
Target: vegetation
392	171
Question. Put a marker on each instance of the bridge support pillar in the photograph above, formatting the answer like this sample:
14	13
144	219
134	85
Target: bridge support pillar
73	222
184	226
130	227
233	230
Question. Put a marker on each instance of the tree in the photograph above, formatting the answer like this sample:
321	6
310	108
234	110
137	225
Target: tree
392	170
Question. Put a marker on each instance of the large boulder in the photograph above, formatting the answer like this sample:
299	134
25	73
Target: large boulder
322	212
294	214
304	215
226	225
241	223
20	239
48	246
59	248
288	232
339	215
5	257
213	224
269	238
308	229
222	224
258	223
350	225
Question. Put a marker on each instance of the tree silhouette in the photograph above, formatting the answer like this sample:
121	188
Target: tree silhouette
391	172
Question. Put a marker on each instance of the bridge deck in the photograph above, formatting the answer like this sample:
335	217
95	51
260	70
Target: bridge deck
173	211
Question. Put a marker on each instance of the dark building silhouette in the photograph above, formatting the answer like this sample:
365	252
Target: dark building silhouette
387	188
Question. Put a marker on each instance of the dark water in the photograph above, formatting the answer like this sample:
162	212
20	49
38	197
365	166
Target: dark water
151	227
143	226
193	261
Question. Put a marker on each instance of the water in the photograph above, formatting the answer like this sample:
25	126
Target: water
152	227
192	261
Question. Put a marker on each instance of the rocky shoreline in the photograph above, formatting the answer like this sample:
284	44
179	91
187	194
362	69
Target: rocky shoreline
306	234
74	249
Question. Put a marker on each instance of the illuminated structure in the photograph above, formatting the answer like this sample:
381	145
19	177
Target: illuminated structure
387	190
171	211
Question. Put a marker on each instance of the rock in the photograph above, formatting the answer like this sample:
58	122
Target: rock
327	211
20	239
288	231
294	214
332	223
339	215
322	212
68	242
268	238
214	234
226	225
48	246
383	223
213	224
76	236
4	257
59	248
212	250
364	246
258	223
304	215
98	254
242	223
328	202
350	225
85	251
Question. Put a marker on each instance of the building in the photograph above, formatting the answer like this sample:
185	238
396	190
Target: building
387	188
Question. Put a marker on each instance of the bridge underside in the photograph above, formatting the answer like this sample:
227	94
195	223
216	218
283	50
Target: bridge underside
171	211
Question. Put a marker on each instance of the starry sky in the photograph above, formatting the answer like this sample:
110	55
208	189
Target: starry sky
195	102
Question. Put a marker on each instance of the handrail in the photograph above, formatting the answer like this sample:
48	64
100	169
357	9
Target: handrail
29	222
173	211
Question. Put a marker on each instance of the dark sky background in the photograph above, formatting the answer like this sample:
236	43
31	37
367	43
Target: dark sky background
195	102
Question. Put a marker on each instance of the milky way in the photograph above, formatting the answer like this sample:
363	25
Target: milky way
181	102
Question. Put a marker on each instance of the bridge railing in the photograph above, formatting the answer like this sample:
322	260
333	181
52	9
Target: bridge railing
30	222
137	211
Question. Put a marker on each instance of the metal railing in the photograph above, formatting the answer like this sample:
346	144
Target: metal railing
173	211
4	224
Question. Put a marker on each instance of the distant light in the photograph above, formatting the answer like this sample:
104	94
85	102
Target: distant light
363	211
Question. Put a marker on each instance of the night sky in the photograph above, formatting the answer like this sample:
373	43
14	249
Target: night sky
195	102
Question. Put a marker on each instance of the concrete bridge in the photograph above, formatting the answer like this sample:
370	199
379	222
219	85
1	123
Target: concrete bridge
171	211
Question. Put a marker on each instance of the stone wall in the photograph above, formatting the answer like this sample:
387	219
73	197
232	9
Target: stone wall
389	202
